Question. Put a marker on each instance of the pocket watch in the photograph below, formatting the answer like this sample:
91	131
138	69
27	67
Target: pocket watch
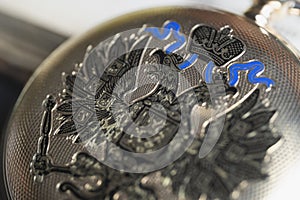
177	102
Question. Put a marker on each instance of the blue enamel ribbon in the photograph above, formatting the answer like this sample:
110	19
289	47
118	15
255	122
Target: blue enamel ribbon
188	62
173	27
167	29
255	68
208	74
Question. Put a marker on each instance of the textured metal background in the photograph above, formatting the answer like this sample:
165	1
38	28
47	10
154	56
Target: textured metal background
281	65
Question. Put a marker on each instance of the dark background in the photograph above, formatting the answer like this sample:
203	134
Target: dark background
23	47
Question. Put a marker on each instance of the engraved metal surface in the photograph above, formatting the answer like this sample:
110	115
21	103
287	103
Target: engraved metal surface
251	154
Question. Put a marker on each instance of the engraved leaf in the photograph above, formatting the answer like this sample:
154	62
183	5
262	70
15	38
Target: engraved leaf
260	119
117	49
94	65
65	108
66	128
247	105
136	51
68	81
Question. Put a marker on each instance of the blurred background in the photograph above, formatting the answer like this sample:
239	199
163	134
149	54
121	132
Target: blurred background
30	30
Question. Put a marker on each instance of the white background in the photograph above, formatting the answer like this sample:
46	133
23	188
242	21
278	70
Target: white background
76	16
72	17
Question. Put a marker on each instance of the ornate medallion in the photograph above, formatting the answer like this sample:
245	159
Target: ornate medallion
136	106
